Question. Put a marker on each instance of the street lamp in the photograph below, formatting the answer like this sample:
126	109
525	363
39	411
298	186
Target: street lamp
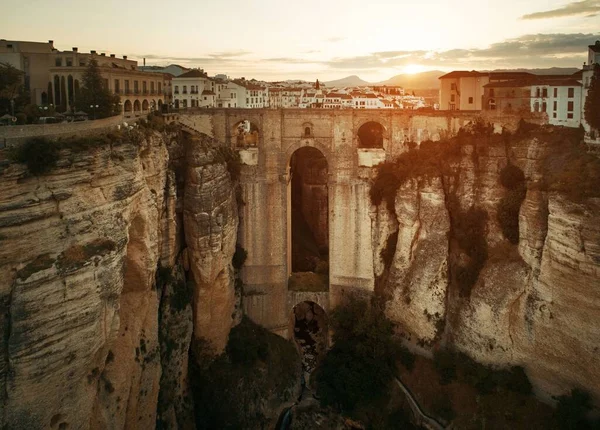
94	107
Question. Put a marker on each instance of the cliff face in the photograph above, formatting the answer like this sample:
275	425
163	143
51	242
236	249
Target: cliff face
85	311
535	303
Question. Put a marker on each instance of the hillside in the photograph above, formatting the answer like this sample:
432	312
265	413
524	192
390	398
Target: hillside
348	81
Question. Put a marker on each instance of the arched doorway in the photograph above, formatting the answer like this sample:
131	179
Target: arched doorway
127	107
370	135
145	105
310	333
245	134
136	106
308	220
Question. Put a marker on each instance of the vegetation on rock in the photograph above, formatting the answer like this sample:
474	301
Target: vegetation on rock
234	390
592	101
357	373
513	181
94	93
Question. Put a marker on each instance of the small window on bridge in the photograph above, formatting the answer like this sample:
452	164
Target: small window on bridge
370	135
307	132
245	134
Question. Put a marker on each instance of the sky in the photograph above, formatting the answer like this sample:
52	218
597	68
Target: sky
308	39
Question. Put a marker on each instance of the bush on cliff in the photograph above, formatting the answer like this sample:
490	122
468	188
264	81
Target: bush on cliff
235	389
572	409
39	154
358	370
429	159
513	180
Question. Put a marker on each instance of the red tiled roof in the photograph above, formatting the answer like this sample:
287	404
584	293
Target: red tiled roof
208	93
510	75
462	74
195	73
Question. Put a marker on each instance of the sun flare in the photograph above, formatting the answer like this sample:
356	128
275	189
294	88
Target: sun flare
412	68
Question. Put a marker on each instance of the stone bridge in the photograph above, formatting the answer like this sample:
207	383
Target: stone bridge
335	191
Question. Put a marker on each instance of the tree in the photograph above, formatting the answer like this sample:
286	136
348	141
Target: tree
592	102
11	88
93	92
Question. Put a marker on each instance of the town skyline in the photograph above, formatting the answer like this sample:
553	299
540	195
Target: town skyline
328	42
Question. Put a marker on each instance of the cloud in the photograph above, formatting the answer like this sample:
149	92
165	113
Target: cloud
528	51
334	39
589	7
534	50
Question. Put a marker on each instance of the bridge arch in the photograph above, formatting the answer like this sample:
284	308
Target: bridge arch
309	329
308	220
371	134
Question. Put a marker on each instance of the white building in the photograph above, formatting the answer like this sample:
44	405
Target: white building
561	99
229	94
193	89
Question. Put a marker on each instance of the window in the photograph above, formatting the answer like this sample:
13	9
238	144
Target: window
452	98
136	87
452	106
570	106
554	115
105	81
537	93
543	106
184	91
453	87
571	93
536	107
545	92
555	92
470	100
152	87
554	104
126	85
58	62
144	87
159	87
570	115
117	86
69	62
176	89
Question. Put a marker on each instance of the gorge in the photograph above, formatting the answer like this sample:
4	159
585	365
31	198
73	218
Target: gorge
120	272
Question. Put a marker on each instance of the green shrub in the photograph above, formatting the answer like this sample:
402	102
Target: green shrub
239	257
39	154
513	180
257	368
572	409
181	296
358	370
468	230
428	160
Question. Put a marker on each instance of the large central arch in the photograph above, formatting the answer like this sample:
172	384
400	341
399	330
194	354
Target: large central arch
308	221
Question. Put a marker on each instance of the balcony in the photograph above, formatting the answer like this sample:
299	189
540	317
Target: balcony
127	91
136	91
184	92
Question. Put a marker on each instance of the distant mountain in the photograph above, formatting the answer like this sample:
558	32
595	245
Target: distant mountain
416	81
348	81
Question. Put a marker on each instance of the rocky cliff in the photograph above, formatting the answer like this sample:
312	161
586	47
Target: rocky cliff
110	267
460	269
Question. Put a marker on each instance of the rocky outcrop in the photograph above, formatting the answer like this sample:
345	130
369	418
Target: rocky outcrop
532	304
91	332
210	225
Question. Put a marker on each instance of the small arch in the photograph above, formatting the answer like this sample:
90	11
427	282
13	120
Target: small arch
310	327
136	106
127	106
245	133
145	105
370	135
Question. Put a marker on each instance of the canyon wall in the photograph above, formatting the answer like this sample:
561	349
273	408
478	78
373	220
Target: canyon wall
535	303
110	268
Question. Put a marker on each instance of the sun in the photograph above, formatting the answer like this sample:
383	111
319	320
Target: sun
412	68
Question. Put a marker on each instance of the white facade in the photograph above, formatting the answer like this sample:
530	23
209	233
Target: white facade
193	89
562	102
229	94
